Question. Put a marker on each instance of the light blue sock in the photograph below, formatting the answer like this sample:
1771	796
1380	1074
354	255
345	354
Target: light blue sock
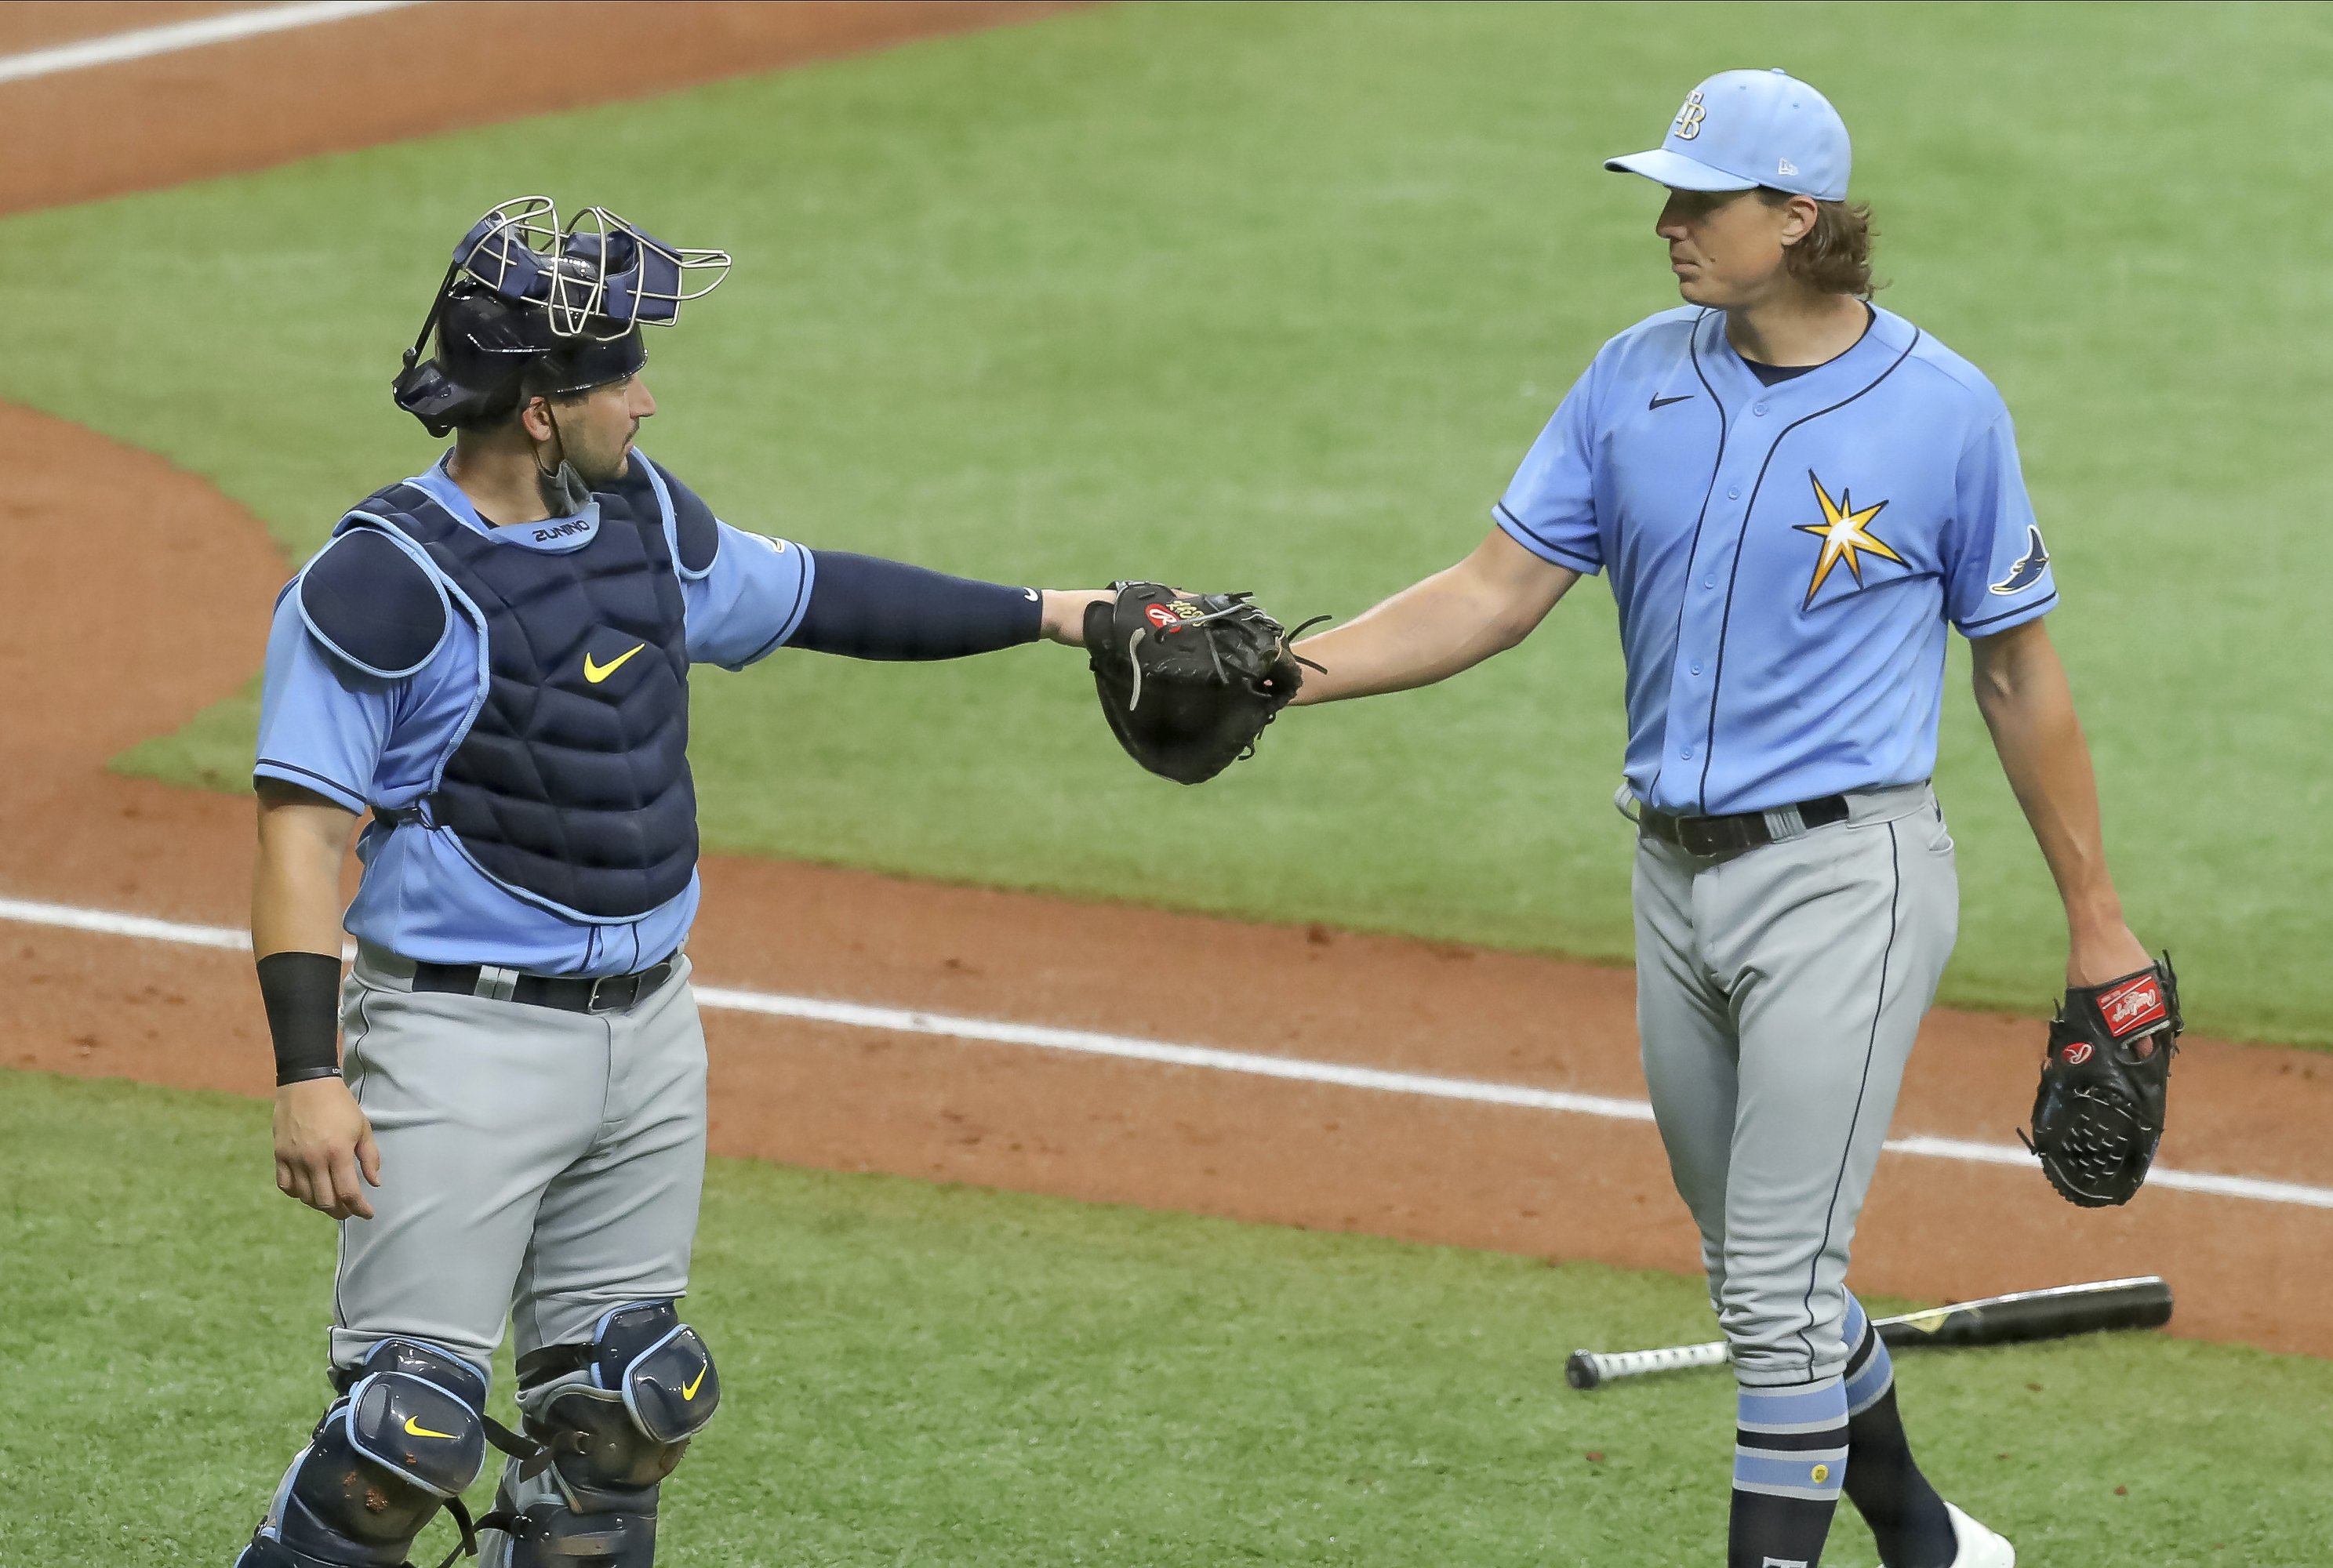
1789	1461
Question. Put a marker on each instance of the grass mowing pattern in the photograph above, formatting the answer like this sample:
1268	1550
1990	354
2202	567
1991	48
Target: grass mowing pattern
945	1376
1276	297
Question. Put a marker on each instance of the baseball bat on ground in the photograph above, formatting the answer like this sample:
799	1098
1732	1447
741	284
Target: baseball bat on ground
2057	1313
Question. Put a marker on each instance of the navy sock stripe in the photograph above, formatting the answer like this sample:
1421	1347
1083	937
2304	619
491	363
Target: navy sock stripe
1861	1353
1792	1442
1870	1370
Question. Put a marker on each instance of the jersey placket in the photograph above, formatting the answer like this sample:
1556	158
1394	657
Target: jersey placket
1703	620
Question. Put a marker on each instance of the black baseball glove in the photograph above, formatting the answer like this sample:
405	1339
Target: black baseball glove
2099	1112
1188	681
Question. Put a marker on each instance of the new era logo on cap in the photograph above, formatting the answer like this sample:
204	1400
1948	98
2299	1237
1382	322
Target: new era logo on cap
1786	166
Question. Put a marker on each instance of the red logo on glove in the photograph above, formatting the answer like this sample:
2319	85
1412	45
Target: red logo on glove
1161	615
2133	1005
2077	1053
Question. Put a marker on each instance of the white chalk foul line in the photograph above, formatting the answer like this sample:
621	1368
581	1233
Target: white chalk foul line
113	48
1124	1048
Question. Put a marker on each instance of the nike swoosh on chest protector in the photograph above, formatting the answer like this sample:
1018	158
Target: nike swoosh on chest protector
595	674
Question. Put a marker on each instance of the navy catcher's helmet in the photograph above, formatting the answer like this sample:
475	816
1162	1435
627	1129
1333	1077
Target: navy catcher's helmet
530	309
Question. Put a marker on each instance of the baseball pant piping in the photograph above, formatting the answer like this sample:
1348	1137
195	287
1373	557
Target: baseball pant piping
1779	994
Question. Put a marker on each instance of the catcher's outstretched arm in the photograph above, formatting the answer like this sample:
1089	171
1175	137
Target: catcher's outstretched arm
866	608
2023	693
1431	630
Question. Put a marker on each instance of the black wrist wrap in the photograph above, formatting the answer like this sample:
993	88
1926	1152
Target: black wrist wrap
302	993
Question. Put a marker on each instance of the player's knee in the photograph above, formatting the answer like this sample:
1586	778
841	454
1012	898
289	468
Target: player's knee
1780	1338
404	1437
614	1416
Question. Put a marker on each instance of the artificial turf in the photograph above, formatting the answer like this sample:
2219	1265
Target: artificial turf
1275	298
947	1376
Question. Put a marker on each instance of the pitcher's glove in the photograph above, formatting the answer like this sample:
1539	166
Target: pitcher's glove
2099	1112
1188	681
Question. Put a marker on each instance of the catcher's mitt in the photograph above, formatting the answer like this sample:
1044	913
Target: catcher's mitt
1188	681
2098	1114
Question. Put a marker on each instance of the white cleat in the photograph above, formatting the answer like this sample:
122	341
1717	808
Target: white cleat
1979	1547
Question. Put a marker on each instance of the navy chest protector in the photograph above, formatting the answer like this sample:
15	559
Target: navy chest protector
570	784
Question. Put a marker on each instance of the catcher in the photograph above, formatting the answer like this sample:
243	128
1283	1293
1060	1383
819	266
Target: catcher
504	1106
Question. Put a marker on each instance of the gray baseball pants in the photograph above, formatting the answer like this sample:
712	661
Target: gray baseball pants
1779	991
534	1164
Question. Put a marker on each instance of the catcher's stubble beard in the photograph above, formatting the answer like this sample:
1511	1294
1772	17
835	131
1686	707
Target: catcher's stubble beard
503	469
594	431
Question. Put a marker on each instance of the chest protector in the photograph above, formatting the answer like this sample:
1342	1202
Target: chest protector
570	784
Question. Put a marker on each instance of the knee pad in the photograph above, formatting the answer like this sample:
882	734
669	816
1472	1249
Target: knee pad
613	1418
404	1438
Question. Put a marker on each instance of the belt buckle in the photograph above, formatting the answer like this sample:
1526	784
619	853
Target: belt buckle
1700	836
594	1004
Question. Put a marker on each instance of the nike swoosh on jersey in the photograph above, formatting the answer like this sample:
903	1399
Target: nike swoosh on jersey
595	674
1664	402
414	1427
689	1389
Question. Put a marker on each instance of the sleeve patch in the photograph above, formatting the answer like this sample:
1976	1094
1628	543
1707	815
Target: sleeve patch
372	605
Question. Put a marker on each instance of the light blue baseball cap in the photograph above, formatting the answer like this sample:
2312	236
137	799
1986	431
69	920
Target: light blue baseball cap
1744	128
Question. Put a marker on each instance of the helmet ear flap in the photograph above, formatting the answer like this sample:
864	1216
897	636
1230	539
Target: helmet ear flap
484	347
422	390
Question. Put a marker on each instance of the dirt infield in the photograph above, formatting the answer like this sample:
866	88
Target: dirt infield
186	609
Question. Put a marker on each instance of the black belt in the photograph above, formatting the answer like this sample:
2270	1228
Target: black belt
1707	836
569	993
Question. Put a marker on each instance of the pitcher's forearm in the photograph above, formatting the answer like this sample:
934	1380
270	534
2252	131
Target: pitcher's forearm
2048	764
1432	630
2028	705
1426	632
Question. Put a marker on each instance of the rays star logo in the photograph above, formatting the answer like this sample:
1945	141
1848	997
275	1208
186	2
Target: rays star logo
1846	536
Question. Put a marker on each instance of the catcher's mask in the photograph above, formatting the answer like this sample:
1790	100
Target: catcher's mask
530	309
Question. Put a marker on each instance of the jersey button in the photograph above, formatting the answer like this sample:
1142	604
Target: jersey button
1696	669
1709	582
1686	753
1758	408
1733	494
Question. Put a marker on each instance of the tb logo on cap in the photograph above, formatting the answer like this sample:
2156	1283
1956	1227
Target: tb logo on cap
1689	118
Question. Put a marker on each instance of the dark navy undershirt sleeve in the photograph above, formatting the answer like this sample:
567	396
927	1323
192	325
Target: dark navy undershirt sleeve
866	608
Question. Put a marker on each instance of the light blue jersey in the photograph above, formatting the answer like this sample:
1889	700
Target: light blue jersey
1785	558
358	741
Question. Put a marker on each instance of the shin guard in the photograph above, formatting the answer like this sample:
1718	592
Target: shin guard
404	1438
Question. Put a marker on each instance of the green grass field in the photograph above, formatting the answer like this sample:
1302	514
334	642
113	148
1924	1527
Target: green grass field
940	1376
1276	297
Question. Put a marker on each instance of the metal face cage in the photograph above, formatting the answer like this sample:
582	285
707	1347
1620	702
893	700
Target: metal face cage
595	276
